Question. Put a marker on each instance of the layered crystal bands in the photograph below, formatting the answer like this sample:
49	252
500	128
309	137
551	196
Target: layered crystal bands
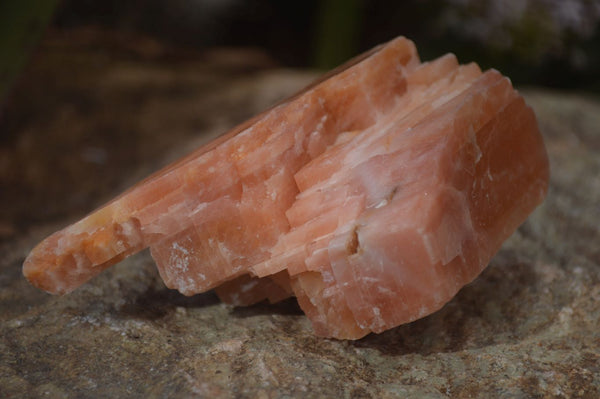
372	196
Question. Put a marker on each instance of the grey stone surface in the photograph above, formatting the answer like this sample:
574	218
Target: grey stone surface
94	113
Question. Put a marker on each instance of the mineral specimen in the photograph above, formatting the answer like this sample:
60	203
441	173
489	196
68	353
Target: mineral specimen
373	196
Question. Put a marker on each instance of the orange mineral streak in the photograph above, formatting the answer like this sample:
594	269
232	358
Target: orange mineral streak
372	196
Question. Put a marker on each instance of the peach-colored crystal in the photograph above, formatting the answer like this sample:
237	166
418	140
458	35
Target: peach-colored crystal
373	196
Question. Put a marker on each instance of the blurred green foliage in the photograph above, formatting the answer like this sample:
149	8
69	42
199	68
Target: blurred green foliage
538	42
337	25
21	24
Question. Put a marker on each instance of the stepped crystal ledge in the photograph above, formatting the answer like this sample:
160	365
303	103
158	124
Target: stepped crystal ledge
372	196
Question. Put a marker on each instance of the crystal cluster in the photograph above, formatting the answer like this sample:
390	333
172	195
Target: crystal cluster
372	196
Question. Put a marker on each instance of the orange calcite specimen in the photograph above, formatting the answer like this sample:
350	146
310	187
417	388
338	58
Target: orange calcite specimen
373	196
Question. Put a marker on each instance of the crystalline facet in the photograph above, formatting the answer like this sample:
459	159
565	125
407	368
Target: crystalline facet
373	196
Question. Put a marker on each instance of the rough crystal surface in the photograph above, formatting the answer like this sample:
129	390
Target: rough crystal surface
373	196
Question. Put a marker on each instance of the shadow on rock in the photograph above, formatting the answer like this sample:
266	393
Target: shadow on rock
155	304
491	310
287	307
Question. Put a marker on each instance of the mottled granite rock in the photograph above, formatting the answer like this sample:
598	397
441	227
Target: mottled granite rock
528	326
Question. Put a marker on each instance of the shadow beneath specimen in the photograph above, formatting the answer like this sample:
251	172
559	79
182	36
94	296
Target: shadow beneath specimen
287	307
155	304
486	312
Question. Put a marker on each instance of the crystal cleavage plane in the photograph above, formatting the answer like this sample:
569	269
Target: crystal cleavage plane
372	196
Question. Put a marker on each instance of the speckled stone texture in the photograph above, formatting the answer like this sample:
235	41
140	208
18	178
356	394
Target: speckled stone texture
124	106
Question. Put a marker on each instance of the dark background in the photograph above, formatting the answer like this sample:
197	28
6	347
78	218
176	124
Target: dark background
553	43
